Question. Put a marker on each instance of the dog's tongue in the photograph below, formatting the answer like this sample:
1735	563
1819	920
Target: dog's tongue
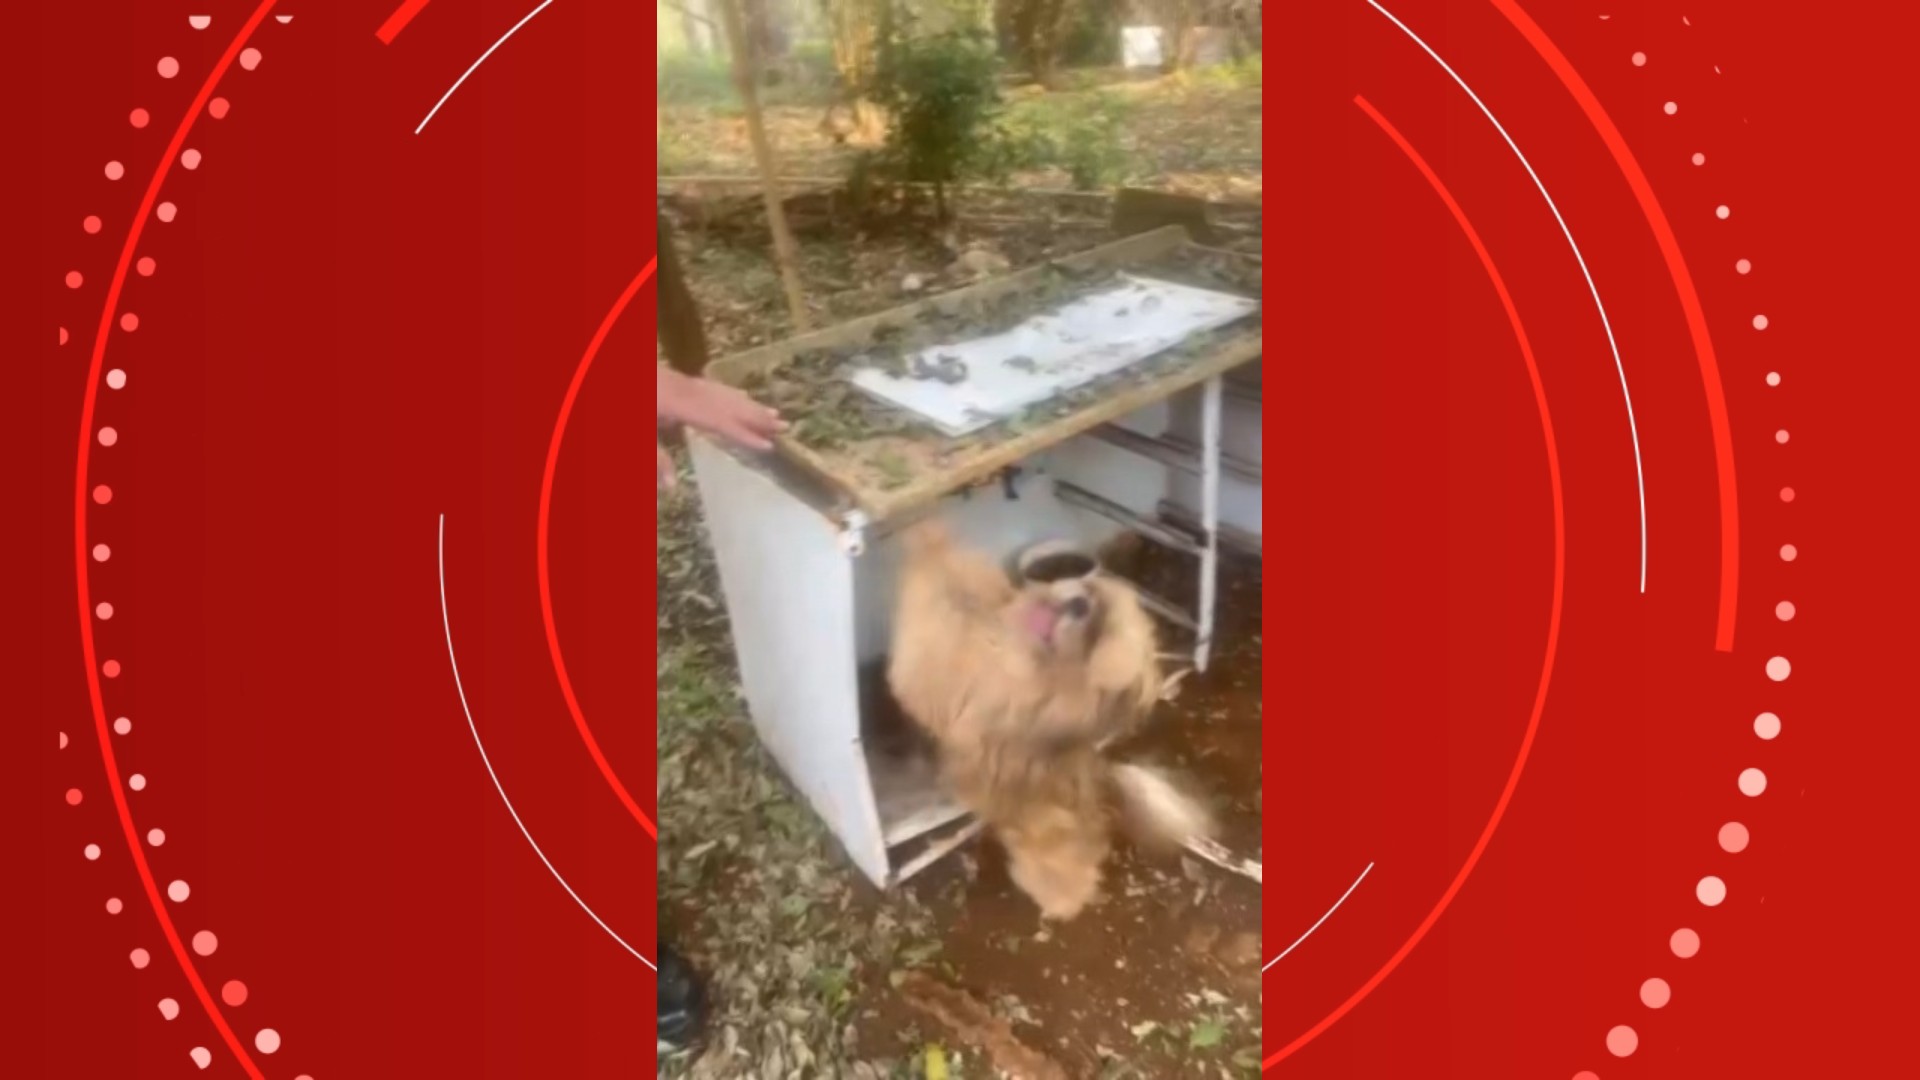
1041	619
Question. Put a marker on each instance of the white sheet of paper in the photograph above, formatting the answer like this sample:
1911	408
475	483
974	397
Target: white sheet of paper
1056	351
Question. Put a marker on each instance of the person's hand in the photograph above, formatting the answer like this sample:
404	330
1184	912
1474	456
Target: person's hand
664	472
718	410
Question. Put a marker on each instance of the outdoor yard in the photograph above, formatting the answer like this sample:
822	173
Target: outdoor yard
812	972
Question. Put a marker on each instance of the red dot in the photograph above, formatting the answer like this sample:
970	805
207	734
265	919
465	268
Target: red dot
103	494
111	669
234	993
74	280
138	118
73	796
1786	494
145	266
129	322
91	224
217	108
63	335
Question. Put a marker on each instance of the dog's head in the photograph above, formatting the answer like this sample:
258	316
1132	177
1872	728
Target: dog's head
1062	620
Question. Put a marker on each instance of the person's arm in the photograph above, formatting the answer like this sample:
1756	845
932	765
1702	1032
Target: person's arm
711	407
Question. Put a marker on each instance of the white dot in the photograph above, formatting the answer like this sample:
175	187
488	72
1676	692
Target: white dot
1723	212
156	837
1622	1041
1685	944
103	610
137	782
140	958
1759	322
1744	266
1778	669
1711	891
1699	159
1773	378
122	726
166	211
92	852
267	1041
1781	436
114	906
1655	993
169	1008
116	378
115	170
1767	726
101	553
178	892
201	1056
1788	553
1734	838
190	158
1752	783
1671	107
205	943
1784	611
1639	59
250	59
63	740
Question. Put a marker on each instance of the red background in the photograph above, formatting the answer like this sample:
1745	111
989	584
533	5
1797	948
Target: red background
355	329
1413	534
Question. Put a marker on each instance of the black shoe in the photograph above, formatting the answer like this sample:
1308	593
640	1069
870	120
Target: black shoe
682	1003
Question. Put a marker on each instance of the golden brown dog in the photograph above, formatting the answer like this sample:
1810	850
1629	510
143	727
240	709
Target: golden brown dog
1020	686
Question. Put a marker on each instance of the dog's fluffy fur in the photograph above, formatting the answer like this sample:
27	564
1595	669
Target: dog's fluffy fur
1019	686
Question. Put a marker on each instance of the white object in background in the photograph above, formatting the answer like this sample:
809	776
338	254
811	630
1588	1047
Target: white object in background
1055	352
1140	47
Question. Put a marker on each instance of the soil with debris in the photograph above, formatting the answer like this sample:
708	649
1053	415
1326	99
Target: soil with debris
813	972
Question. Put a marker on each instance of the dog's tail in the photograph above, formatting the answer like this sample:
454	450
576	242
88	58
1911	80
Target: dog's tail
1156	813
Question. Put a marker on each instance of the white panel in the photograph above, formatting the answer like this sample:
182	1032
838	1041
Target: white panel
1240	434
790	601
1056	351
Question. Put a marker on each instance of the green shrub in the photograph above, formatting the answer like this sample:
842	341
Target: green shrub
943	93
1081	133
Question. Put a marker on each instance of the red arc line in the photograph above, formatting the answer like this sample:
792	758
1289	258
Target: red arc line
546	588
1722	428
398	21
1553	617
87	648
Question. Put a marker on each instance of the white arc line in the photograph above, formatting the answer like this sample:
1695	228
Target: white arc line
1323	918
482	60
447	621
1632	426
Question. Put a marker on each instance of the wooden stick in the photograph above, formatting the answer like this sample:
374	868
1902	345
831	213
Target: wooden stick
784	251
1222	858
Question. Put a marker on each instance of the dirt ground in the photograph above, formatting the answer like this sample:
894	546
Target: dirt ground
813	972
816	973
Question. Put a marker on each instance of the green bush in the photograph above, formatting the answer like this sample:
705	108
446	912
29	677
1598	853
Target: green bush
1081	133
685	78
943	93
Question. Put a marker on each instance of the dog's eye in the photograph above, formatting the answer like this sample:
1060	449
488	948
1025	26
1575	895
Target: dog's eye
1077	608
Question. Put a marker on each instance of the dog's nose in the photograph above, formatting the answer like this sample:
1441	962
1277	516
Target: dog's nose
1077	608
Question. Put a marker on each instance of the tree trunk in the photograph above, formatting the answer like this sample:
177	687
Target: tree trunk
785	254
682	337
1181	19
852	26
